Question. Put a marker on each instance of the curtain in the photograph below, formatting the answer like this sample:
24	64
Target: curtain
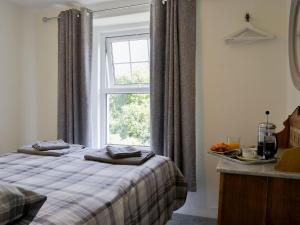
173	44
74	75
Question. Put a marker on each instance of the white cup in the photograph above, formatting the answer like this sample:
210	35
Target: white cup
249	153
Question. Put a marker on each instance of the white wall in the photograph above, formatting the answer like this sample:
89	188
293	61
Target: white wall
235	84
9	76
39	77
47	69
28	78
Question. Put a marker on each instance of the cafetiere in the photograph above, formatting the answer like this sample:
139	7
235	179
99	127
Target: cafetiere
267	142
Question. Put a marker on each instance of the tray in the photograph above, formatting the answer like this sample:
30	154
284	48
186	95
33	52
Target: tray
236	160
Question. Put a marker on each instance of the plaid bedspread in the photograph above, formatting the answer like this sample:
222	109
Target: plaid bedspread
93	193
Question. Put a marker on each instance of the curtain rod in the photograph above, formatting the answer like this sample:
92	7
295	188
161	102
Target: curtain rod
46	19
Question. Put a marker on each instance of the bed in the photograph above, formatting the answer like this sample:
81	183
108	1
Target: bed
92	193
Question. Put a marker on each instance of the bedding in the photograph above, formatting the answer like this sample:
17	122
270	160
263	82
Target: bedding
17	205
93	193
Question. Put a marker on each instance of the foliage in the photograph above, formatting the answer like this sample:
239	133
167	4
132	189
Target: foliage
129	114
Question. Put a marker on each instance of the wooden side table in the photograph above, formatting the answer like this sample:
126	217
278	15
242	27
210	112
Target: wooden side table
257	195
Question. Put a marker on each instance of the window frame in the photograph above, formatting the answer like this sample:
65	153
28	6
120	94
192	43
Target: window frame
111	73
99	111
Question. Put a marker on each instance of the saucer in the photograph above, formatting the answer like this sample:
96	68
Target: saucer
248	159
225	152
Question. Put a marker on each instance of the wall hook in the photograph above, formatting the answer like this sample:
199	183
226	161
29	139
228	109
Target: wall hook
247	17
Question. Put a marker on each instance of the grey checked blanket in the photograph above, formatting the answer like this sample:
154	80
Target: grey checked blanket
17	205
92	193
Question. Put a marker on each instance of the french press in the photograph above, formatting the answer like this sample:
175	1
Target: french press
267	143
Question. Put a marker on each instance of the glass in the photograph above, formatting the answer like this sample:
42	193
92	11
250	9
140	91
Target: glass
270	147
233	142
121	52
139	51
122	73
140	73
250	153
128	119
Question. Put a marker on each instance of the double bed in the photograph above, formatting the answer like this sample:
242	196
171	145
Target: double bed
92	193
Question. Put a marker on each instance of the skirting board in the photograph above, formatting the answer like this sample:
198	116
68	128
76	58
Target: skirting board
201	212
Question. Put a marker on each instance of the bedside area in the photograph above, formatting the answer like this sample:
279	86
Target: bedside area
257	195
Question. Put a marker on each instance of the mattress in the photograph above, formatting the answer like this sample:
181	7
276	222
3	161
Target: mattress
93	193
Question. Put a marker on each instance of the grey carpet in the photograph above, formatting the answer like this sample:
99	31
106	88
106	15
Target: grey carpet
179	219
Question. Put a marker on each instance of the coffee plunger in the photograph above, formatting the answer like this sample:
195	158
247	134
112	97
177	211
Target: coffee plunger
267	143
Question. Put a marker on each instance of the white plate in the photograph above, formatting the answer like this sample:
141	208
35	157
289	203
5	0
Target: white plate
226	152
249	159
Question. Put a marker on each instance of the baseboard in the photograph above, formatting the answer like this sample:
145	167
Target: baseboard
201	212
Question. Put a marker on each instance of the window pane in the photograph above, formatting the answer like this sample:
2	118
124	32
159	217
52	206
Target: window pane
122	73
120	52
128	119
140	73
139	51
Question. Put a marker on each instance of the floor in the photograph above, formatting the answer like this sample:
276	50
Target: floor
179	219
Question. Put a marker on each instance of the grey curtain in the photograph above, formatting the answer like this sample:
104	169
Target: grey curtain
173	44
74	75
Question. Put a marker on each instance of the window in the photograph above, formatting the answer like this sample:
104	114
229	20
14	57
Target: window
128	60
124	108
128	119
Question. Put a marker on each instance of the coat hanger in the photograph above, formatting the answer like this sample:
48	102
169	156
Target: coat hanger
248	33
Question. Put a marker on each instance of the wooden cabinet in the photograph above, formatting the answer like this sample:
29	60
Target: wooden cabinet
258	200
283	202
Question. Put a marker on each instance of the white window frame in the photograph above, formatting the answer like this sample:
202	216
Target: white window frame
109	41
105	87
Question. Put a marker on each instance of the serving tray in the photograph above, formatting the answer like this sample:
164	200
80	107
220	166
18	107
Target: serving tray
236	160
